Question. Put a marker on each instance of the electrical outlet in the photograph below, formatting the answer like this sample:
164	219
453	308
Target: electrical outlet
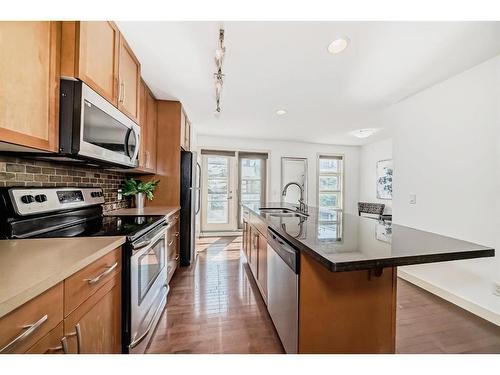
496	288
413	198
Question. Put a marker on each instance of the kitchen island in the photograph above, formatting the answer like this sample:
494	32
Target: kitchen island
347	272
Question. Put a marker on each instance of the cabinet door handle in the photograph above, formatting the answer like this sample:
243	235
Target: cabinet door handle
177	257
30	329
78	334
170	243
121	93
63	347
176	234
104	274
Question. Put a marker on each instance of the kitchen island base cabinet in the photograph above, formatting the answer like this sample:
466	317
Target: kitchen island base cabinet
346	312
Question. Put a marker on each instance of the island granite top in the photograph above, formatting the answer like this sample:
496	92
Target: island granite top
346	242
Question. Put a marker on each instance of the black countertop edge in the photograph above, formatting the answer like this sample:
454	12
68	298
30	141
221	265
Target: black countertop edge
406	261
376	263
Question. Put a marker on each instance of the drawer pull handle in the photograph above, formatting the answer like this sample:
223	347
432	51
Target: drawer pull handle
177	257
176	234
104	274
30	329
78	334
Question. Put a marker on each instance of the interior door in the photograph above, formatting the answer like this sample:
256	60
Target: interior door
218	192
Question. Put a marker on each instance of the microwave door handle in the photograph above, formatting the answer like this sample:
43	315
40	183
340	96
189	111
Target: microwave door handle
127	137
137	145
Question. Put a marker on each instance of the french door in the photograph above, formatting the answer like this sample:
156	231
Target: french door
219	192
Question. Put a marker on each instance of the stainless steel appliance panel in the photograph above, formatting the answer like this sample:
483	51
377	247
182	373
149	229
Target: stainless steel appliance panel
283	292
149	288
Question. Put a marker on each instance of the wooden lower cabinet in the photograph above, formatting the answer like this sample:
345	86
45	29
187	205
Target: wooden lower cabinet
95	326
346	312
262	267
255	251
173	245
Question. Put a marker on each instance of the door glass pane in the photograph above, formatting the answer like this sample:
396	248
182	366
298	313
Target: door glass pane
218	167
217	190
328	183
328	165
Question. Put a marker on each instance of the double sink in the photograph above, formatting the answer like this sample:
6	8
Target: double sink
282	212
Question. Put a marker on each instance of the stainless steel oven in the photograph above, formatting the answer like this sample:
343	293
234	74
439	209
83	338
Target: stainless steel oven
148	286
93	131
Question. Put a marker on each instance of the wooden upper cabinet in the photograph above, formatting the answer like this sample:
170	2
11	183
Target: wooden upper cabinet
29	83
129	76
183	129
148	121
185	132
96	53
151	125
90	52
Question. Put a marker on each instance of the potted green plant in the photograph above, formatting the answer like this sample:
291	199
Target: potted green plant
139	190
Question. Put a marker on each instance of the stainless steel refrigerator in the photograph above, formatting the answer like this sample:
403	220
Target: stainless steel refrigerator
190	205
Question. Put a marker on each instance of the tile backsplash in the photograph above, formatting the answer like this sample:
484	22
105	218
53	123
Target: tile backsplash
26	172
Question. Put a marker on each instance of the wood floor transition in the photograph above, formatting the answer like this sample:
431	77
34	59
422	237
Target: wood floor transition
215	307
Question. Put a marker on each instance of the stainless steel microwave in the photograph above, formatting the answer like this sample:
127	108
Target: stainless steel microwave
92	128
93	131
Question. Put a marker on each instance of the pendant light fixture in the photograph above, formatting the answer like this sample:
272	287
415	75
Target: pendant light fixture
218	75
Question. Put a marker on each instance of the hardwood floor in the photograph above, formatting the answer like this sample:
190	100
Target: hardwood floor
215	307
426	323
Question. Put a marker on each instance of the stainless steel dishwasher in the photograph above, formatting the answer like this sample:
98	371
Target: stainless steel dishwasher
283	290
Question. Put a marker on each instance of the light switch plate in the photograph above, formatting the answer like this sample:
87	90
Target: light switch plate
413	198
496	288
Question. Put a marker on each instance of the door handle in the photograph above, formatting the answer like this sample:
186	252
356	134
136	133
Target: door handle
78	334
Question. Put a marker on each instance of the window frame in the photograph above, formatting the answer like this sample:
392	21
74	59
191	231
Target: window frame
340	191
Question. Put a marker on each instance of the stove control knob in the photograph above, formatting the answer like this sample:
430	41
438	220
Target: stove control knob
27	199
41	198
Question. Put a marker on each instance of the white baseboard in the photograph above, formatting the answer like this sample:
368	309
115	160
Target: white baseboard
472	307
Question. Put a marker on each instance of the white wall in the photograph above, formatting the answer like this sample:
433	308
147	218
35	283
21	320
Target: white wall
446	151
369	155
278	149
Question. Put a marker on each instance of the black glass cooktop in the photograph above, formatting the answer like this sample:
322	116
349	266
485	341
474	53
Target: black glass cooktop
130	226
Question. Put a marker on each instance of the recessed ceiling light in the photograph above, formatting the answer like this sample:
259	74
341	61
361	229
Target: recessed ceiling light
281	112
363	133
338	45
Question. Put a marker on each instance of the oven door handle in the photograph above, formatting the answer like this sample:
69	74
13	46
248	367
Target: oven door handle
141	244
143	335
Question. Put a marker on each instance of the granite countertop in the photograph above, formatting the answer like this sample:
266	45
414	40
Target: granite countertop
154	210
346	242
28	267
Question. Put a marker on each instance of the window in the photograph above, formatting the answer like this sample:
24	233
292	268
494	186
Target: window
252	180
330	175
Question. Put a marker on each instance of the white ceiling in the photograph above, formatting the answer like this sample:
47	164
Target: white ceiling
273	65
